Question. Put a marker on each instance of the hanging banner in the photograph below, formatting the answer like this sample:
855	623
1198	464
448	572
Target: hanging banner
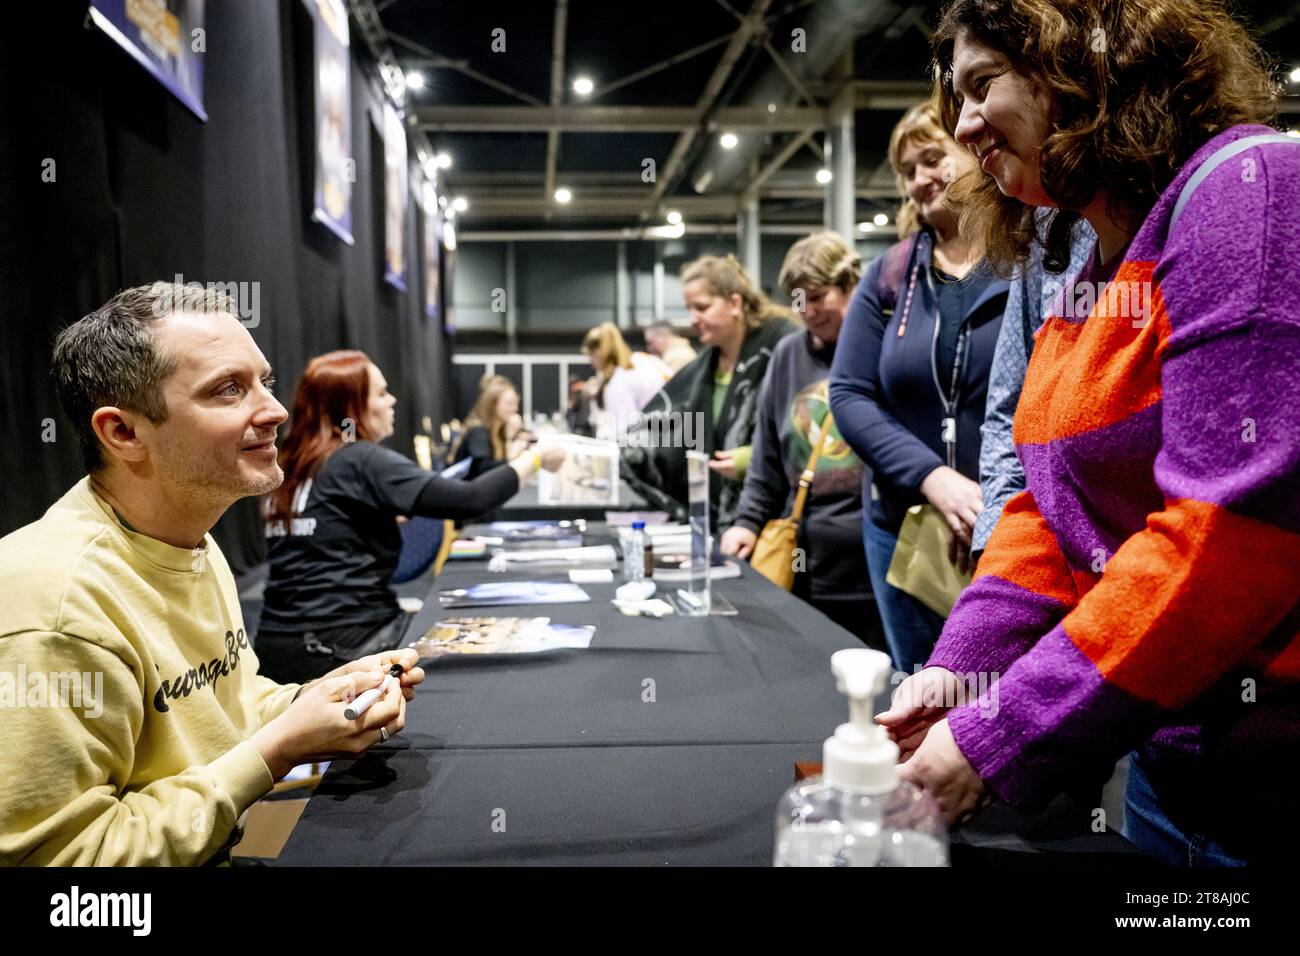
165	37
395	173
448	277
336	170
432	250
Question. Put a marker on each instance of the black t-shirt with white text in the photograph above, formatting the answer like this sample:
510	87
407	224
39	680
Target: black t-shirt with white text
332	566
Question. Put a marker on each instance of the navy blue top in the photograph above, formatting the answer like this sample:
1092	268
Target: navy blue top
885	389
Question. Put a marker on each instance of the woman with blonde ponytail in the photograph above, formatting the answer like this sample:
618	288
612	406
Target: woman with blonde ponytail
711	404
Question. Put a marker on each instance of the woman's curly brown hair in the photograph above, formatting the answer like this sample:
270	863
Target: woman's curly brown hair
1137	87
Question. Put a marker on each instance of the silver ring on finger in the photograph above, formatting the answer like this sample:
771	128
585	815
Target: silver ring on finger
384	734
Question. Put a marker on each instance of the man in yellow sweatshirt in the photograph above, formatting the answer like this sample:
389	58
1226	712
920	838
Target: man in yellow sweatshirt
136	729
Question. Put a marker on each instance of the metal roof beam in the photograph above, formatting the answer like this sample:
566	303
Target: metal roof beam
614	119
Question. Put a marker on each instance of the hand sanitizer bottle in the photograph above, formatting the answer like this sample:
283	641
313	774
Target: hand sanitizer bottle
858	812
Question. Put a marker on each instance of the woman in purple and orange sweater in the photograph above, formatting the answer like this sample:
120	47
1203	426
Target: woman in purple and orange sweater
1143	593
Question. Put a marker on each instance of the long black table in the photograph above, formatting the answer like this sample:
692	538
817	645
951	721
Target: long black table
666	742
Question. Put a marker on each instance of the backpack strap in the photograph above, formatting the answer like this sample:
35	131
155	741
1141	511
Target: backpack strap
1218	158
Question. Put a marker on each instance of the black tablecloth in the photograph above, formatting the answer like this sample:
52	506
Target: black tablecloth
564	757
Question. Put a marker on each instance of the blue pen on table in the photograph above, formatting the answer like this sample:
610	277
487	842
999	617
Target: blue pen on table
359	706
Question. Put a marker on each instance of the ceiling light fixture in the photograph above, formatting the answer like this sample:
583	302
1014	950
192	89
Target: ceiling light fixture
728	140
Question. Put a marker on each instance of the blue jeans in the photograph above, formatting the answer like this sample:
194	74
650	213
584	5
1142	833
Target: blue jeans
911	628
1148	828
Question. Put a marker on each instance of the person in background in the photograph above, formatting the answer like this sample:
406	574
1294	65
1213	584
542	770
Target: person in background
169	732
910	377
818	275
711	404
1142	591
1033	288
494	430
662	341
625	380
333	540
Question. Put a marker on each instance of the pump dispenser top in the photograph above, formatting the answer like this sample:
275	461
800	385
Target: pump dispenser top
860	757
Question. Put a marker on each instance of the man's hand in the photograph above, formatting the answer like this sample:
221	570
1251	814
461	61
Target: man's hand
407	657
940	768
313	727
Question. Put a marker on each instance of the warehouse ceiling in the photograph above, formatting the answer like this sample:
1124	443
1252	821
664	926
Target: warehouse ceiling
669	78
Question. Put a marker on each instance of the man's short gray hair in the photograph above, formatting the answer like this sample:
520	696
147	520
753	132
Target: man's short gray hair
111	356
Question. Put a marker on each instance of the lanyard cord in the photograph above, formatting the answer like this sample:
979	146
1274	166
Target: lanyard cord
949	400
907	302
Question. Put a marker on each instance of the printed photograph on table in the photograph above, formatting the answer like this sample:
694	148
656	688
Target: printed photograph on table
501	593
166	38
502	635
335	168
589	475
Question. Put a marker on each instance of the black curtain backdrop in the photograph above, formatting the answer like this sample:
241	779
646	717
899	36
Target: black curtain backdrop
143	190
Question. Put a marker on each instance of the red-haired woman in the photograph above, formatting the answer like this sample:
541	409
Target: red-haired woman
332	535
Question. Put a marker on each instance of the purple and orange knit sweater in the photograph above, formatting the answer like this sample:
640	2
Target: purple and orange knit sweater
1165	453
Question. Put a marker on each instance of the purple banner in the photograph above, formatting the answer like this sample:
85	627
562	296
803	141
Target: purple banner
166	37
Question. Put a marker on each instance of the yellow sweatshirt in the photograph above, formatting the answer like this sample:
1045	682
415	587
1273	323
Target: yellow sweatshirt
128	692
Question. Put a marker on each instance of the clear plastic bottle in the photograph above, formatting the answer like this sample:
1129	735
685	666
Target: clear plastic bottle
857	812
634	560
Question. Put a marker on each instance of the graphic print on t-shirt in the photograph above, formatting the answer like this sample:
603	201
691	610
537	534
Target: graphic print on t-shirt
297	524
838	469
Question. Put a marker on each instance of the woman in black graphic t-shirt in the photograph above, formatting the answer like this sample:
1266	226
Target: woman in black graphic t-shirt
332	534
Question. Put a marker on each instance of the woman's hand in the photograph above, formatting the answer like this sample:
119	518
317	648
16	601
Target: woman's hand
960	501
920	701
738	542
551	458
940	768
724	463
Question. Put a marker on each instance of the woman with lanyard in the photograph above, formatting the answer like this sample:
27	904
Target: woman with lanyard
333	540
910	375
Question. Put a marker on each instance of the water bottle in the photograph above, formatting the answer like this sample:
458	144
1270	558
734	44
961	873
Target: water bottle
635	558
858	812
